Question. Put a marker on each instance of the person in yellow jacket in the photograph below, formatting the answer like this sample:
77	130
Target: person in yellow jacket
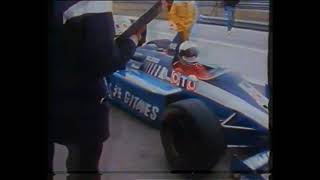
181	17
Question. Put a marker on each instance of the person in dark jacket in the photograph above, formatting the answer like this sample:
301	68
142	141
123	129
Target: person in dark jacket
229	7
82	51
231	2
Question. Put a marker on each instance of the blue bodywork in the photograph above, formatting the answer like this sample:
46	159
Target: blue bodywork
145	88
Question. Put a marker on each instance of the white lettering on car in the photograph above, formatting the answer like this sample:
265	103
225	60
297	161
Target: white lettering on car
132	101
156	73
153	59
183	78
150	68
147	110
153	69
117	92
146	66
176	78
155	111
139	105
189	83
126	97
135	102
164	74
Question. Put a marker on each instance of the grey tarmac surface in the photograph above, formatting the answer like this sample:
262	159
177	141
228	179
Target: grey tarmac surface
134	151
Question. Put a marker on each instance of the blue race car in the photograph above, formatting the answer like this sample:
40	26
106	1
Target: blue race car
198	119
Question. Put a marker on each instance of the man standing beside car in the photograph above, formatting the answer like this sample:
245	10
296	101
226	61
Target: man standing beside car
82	51
182	15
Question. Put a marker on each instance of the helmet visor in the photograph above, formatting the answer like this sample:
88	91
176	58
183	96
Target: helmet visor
193	59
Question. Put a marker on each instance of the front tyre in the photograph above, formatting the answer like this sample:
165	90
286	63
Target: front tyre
191	136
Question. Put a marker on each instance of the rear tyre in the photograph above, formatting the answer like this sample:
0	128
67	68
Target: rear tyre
191	136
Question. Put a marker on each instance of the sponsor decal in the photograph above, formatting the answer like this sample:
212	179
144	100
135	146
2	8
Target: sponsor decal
141	106
132	101
189	83
176	78
153	59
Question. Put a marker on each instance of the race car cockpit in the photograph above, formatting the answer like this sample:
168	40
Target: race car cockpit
184	61
187	62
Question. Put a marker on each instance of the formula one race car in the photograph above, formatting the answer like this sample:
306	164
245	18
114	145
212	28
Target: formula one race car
198	118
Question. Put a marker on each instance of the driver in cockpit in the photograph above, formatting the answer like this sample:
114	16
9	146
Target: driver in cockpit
183	15
187	63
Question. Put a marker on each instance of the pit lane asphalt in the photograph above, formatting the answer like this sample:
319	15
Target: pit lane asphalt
134	150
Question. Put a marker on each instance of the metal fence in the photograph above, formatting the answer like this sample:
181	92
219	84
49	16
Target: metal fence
253	25
244	4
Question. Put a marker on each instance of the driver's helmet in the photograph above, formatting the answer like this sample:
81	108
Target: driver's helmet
188	52
121	24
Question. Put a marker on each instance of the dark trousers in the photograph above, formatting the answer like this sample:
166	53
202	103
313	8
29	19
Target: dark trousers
82	162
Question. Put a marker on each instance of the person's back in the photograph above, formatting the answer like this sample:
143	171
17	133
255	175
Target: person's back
86	53
82	52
